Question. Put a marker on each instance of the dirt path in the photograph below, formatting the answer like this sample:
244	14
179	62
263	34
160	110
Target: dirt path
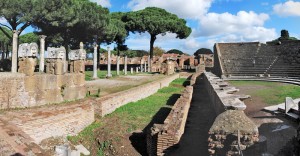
200	119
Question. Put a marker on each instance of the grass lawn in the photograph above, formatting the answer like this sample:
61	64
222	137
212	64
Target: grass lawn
271	92
102	74
113	128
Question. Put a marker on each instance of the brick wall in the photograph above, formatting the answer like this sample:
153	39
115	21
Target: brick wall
20	91
162	137
53	121
109	103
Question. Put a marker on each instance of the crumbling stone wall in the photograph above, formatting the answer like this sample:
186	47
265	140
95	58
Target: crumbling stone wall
162	137
231	132
223	135
20	91
53	121
221	94
109	103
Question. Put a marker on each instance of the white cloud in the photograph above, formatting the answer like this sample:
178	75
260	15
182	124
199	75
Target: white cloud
289	8
215	24
212	27
192	9
104	3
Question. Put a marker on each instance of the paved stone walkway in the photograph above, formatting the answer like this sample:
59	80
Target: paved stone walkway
200	119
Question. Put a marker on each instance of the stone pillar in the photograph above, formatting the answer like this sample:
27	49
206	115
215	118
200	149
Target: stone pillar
149	64
108	63
118	65
95	76
14	55
42	53
141	67
145	66
131	70
137	69
125	65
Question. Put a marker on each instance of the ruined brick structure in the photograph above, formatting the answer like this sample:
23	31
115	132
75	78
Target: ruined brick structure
162	137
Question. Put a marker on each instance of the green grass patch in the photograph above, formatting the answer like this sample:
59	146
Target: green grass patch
126	119
271	92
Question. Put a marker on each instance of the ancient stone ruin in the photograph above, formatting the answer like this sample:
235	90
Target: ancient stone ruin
55	63
77	60
27	58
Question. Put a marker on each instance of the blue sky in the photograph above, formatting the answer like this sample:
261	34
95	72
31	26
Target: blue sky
216	21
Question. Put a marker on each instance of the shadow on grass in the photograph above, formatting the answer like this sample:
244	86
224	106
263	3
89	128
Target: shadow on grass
171	101
138	139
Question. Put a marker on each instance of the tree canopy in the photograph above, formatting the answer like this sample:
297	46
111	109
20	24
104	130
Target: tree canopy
28	38
20	14
158	51
175	51
156	21
203	51
73	21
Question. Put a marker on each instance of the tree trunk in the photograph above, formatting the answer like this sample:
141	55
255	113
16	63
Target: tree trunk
98	57
153	38
7	51
3	50
118	49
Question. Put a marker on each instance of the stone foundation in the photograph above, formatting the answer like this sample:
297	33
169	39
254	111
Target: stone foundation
20	91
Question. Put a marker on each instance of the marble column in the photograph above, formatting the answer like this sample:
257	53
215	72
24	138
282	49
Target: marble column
42	53
141	67
95	76
125	65
108	63
118	65
145	66
14	55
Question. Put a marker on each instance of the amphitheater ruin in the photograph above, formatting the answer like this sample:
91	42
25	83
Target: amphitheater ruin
52	98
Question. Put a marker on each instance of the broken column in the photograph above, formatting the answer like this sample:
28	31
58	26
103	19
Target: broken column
14	55
55	62
118	65
42	52
125	65
77	60
27	58
108	63
95	62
